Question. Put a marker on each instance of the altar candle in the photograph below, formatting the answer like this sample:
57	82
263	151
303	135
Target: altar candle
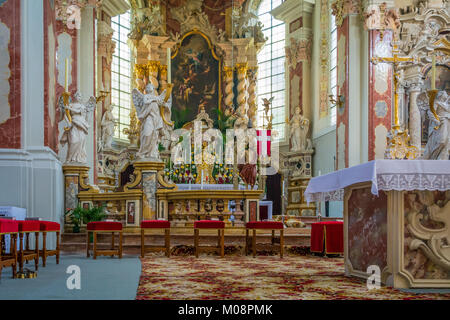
66	84
433	73
169	67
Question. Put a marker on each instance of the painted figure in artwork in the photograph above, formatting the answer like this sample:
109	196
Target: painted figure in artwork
438	145
152	126
108	126
76	114
299	127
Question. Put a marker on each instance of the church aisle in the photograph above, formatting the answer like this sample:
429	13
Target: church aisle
101	279
261	278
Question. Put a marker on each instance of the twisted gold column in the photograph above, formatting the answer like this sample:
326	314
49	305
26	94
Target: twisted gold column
242	86
252	103
229	84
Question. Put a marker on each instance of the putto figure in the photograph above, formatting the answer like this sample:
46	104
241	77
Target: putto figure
76	114
152	125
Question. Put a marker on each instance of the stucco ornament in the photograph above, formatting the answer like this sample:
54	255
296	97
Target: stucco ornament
434	243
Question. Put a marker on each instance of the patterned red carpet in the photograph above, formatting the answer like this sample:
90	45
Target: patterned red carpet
302	277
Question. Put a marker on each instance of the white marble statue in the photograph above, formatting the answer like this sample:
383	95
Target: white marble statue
152	125
78	127
108	126
299	127
438	145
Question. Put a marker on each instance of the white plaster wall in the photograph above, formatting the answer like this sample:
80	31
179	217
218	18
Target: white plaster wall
34	182
32	176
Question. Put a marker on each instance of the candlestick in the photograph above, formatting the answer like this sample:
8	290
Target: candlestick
433	73
66	84
169	66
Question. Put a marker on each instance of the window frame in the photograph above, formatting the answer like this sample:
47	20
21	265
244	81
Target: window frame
118	60
271	59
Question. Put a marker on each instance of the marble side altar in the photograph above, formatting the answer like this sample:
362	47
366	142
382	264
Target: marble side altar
396	217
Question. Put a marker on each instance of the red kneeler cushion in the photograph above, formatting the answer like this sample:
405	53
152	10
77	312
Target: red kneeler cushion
209	224
264	225
29	226
8	226
147	224
49	226
104	226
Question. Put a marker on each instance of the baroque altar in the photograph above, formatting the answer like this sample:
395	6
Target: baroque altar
187	67
396	220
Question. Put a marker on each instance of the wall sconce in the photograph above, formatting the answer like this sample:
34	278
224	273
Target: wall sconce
340	102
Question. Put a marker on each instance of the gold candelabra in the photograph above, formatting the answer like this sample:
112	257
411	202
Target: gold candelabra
398	140
133	131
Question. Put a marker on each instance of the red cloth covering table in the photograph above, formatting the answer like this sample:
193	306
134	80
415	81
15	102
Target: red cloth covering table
49	226
155	224
327	237
104	227
266	225
10	227
210	224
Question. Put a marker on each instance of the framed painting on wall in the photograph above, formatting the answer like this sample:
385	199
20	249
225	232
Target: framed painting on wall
132	218
196	76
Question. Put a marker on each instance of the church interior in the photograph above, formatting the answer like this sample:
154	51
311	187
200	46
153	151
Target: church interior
224	149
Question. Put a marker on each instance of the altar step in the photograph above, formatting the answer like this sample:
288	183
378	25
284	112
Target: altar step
76	242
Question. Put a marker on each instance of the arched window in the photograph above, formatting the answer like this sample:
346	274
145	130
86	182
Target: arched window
333	67
120	74
271	69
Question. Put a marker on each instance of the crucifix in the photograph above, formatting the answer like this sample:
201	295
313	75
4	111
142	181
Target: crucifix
398	140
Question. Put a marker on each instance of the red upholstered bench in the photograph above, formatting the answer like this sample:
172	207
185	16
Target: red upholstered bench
105	227
25	253
209	224
8	227
155	224
266	225
49	226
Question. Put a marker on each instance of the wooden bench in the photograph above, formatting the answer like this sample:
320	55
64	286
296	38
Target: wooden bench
104	227
264	225
209	224
45	227
155	224
25	254
8	227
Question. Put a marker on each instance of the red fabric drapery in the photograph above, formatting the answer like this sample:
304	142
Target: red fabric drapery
329	234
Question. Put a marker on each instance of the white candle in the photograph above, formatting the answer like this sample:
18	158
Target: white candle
66	84
169	67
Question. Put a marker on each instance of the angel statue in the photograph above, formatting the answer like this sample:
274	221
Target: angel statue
438	145
152	122
108	125
76	113
298	131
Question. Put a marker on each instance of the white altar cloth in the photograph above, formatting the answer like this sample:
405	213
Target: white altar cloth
385	175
